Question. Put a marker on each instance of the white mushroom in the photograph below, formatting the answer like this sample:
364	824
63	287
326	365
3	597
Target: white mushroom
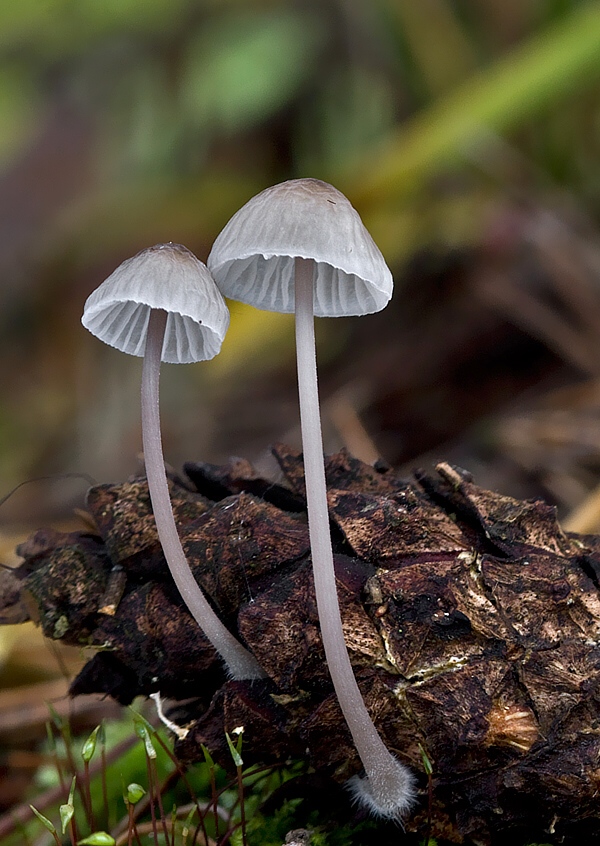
301	247
163	304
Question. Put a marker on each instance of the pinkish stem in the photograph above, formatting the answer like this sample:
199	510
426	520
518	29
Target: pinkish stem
241	664
389	788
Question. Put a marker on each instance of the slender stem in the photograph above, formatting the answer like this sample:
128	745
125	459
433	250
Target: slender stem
130	825
151	797
103	775
381	767
88	791
240	663
240	786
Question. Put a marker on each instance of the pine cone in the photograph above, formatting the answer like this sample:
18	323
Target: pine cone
472	622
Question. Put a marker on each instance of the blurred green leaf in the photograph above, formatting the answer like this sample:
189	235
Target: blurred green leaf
242	67
98	838
519	85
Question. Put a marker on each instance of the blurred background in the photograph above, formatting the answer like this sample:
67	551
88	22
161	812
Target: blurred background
465	132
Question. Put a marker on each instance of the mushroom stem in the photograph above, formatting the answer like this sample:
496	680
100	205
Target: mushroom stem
241	664
388	790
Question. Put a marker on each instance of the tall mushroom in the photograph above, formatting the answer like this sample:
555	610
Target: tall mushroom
163	304
301	247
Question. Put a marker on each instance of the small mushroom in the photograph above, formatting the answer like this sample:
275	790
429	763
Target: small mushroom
163	304
301	247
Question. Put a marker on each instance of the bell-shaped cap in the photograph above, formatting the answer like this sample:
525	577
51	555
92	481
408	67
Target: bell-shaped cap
168	277
252	259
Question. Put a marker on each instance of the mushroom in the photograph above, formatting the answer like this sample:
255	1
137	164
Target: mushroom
301	247
163	304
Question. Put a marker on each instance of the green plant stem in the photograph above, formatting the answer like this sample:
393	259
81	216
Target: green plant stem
159	790
185	780
88	793
240	784
151	799
23	814
104	778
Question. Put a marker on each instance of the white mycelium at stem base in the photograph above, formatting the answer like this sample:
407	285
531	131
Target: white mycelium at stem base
163	304
388	790
300	246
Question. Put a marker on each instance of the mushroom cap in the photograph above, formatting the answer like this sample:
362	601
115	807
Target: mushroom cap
252	259
167	277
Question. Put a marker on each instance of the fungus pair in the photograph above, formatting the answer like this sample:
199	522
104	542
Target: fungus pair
299	247
163	304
